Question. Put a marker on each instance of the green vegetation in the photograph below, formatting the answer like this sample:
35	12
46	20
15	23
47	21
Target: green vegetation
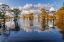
16	12
59	14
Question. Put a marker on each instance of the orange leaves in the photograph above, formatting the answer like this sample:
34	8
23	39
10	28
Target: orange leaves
43	14
59	24
60	12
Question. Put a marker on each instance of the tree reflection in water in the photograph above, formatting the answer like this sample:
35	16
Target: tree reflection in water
43	24
31	23
17	28
5	28
39	20
5	31
60	26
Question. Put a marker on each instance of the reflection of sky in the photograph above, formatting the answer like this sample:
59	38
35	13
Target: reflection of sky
34	32
10	24
25	25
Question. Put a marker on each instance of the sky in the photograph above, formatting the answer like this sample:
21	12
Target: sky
33	5
23	2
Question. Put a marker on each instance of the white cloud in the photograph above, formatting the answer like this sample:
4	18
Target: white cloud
40	6
35	11
52	9
13	7
20	8
29	8
26	7
0	3
31	11
25	12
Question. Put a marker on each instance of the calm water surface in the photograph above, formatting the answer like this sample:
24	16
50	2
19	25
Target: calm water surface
36	30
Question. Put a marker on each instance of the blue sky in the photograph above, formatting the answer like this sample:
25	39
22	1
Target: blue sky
28	6
23	2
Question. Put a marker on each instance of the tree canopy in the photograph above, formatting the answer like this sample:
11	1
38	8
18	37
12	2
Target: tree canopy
44	13
1	14
16	11
60	12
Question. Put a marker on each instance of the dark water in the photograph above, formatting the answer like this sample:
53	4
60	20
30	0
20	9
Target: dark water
37	30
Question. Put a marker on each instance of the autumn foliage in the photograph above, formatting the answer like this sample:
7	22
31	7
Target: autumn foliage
43	14
60	12
60	24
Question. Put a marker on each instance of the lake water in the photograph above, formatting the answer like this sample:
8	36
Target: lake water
36	30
